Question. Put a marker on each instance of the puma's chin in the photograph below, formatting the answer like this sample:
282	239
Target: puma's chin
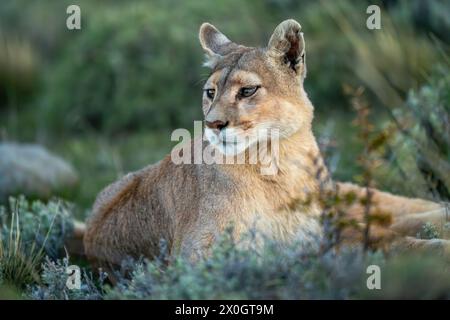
231	149
229	144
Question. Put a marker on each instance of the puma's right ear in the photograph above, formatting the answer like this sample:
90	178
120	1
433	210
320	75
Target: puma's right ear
214	43
288	45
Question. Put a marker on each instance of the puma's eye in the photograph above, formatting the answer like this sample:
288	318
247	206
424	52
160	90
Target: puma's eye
210	93
248	91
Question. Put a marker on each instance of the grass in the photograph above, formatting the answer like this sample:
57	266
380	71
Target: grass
19	266
53	283
28	233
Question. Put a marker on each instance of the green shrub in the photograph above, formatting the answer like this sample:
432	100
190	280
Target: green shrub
39	223
17	69
235	273
420	151
30	34
28	232
428	231
276	272
53	284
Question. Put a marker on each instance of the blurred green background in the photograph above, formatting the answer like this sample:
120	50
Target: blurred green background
106	97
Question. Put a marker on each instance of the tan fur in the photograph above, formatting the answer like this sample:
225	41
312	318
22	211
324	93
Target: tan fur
190	205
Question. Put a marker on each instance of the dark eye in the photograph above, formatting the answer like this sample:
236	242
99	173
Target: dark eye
248	91
210	93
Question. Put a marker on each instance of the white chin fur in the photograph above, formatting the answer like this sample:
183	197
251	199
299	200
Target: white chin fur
237	144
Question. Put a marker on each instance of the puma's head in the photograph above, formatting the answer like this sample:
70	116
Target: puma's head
254	89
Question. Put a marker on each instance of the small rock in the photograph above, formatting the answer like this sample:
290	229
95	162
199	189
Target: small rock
31	170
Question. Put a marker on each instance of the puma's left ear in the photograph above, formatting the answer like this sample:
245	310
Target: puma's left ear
287	45
214	43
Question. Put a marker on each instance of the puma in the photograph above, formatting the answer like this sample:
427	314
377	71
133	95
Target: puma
190	205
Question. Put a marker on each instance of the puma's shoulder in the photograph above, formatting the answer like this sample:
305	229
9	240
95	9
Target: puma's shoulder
114	192
127	186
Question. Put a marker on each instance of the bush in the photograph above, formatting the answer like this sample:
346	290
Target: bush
17	70
428	231
276	272
24	50
39	223
53	286
28	232
286	273
234	273
420	151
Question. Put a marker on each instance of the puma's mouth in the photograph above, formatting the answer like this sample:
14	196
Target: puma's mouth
232	147
227	136
228	144
225	141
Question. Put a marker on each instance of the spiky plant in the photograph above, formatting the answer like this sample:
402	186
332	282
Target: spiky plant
28	232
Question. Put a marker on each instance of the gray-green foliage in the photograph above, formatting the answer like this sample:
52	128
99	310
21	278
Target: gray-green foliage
428	231
231	272
430	109
53	284
422	149
28	232
40	224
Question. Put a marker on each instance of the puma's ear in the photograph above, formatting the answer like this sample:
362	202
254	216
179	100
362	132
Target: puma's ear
214	43
288	45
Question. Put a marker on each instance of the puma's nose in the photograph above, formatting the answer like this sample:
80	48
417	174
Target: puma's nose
219	125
